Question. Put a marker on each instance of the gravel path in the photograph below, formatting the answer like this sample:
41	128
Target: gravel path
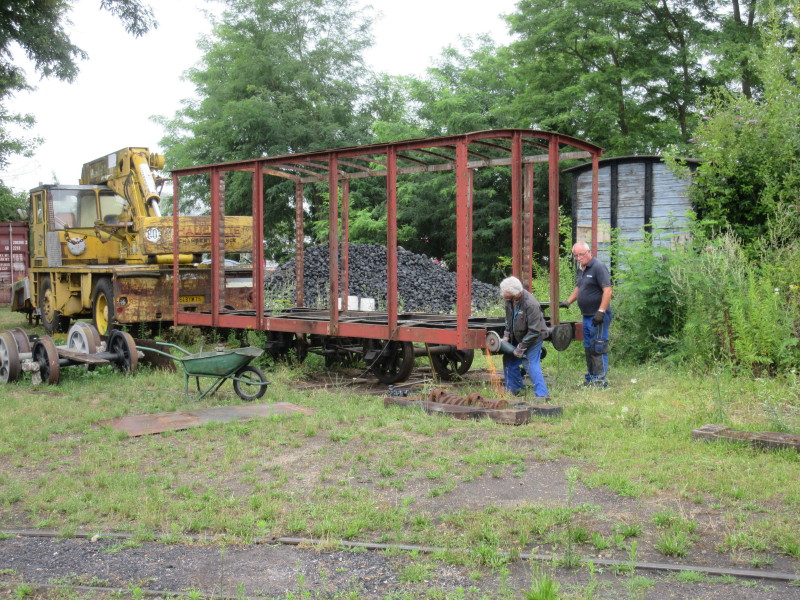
284	572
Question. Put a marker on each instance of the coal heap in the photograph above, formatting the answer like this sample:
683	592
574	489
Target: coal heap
423	285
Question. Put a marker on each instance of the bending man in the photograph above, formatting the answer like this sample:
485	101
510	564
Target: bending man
526	329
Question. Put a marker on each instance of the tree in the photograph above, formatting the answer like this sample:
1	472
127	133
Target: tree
750	147
623	74
38	29
10	203
277	76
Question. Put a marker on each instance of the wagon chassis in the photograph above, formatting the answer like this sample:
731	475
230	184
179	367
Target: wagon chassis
384	340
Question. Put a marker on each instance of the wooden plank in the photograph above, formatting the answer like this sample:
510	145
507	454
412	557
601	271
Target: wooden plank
80	357
518	414
765	439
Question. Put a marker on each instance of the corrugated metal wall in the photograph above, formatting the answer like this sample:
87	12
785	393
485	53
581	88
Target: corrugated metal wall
14	259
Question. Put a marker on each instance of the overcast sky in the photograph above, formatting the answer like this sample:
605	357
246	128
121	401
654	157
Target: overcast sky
127	80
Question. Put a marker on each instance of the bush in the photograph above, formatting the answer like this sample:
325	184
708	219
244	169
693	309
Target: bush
646	315
707	302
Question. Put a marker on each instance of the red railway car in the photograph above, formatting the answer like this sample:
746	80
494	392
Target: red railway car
385	340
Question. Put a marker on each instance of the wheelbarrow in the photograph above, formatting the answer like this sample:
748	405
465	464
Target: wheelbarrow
249	382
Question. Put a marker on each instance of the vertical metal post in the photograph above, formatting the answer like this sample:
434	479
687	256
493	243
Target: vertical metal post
175	270
345	242
391	239
553	212
463	242
595	200
258	244
517	215
299	246
333	242
216	259
528	210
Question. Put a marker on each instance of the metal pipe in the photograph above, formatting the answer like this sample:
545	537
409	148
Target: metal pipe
436	350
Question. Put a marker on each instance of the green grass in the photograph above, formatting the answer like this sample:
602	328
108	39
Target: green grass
354	470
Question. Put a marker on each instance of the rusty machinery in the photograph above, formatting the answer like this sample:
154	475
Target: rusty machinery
20	353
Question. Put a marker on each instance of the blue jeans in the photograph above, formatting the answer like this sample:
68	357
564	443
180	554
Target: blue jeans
591	334
532	361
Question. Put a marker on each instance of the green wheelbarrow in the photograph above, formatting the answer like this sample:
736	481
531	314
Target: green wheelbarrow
249	382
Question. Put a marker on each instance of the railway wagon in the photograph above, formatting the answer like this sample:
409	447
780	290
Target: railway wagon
385	339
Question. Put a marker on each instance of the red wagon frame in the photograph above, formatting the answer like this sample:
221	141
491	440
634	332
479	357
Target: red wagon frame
520	149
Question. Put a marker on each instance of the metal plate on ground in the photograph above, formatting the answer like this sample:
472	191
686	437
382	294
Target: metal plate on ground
173	421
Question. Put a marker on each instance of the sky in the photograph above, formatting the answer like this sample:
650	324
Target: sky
127	80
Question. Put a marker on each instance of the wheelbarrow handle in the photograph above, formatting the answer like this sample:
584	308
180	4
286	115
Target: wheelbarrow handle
173	346
161	352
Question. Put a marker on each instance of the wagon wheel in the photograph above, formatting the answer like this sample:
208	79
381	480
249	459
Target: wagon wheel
249	383
22	340
452	365
80	339
395	363
121	344
46	354
10	365
286	347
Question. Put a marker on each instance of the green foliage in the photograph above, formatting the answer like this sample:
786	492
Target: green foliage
9	203
580	70
276	78
708	303
733	312
38	28
645	303
750	148
543	587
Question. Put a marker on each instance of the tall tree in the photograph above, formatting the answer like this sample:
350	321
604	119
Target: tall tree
584	70
750	147
277	76
737	46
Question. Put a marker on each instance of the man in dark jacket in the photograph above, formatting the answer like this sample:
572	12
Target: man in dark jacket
525	329
593	292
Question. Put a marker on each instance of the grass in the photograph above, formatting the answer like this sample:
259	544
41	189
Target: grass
354	470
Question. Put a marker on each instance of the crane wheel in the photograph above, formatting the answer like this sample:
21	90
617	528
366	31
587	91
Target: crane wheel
103	306
52	321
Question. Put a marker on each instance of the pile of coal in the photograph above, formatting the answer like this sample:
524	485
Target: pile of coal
423	285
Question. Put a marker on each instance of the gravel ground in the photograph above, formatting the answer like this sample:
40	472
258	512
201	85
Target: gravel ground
284	571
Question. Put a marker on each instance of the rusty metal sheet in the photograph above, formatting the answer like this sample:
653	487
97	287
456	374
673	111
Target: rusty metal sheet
136	425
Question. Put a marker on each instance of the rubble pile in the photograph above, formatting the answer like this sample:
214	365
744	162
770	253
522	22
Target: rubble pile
423	285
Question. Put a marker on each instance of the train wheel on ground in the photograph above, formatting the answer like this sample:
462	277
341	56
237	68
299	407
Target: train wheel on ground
45	353
10	365
22	340
103	306
81	339
249	383
52	321
394	362
452	365
122	345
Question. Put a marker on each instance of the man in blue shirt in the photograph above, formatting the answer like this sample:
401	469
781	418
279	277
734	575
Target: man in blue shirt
593	293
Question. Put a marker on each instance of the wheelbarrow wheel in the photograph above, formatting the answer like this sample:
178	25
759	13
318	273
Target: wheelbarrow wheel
249	383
